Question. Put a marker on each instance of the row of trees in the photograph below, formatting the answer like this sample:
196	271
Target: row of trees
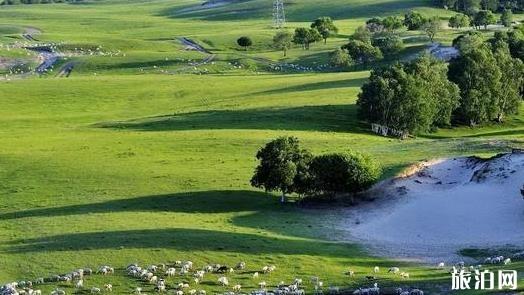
483	84
286	167
481	18
470	6
380	38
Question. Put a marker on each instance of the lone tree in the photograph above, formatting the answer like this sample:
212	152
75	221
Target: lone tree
306	36
244	42
506	18
282	165
343	173
283	41
432	27
325	27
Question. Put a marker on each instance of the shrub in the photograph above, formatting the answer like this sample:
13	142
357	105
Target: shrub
346	173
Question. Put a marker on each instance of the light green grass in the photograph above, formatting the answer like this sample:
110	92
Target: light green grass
131	166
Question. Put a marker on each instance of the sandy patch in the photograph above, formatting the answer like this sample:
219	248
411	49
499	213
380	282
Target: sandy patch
443	206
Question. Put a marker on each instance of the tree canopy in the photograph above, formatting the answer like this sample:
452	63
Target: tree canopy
325	26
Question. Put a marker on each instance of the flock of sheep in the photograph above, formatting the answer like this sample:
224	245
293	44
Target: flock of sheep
153	277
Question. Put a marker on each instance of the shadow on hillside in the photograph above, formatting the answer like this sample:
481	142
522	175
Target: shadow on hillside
338	118
357	82
242	10
192	202
510	132
183	240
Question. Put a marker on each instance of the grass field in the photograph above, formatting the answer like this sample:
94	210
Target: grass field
136	165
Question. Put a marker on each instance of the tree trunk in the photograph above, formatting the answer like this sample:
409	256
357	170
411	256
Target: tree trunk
283	198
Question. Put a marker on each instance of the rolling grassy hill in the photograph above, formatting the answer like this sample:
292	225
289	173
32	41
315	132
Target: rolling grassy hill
137	165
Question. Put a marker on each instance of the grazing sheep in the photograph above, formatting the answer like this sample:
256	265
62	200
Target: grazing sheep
196	280
178	262
79	284
241	265
237	288
416	292
441	265
160	288
298	282
507	261
170	272
208	268
262	285
376	269
350	273
152	268
394	270
223	281
40	281
404	275
37	292
138	290
201	292
179	292
108	287
95	290
255	275
192	292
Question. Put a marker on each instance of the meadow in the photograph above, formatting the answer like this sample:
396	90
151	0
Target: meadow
133	158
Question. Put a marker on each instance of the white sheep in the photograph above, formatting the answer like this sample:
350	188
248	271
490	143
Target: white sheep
441	265
223	281
95	290
376	269
192	292
241	265
404	275
108	287
79	284
262	285
138	290
201	292
507	261
170	272
394	270
237	288
255	275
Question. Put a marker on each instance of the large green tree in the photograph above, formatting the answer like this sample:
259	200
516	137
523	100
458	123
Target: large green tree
478	76
363	52
414	20
325	26
283	41
306	36
413	97
281	164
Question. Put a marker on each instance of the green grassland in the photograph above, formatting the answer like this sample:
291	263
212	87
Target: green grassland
137	165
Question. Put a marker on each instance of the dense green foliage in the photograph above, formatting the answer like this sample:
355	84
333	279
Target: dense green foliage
414	20
490	80
306	36
340	58
244	42
283	41
412	97
325	26
362	52
343	173
459	20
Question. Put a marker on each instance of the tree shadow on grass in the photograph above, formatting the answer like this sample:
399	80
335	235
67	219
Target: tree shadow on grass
192	202
182	239
327	118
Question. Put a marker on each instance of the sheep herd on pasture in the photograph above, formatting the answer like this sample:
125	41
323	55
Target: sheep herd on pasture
185	279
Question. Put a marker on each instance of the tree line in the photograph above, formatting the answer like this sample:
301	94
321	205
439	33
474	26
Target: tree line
286	167
469	6
484	84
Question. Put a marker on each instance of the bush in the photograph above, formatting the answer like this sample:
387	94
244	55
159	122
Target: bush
363	52
346	173
244	42
388	43
340	58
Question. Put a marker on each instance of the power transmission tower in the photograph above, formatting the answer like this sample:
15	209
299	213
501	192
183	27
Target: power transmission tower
279	16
